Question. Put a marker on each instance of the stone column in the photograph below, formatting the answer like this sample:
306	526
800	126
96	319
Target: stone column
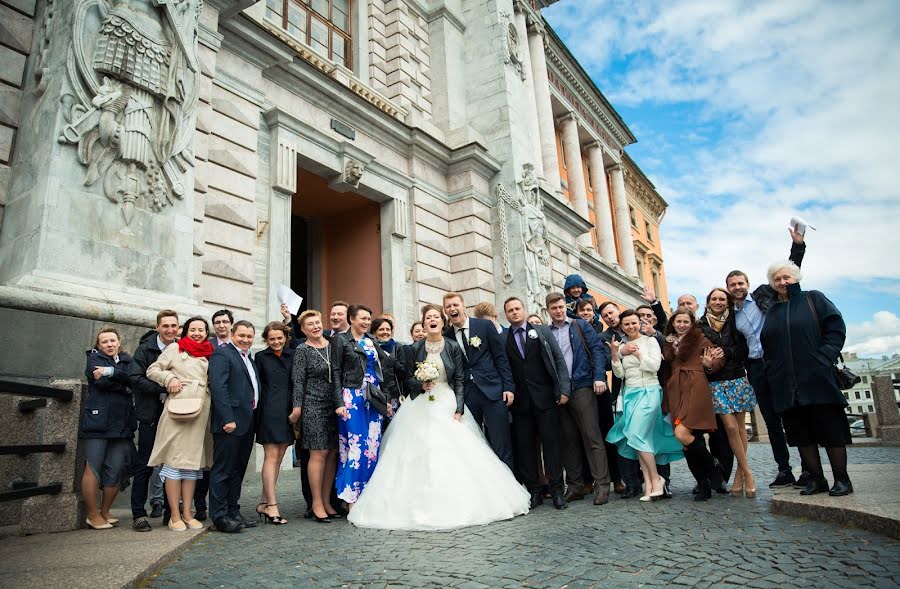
623	220
886	409
531	113
546	130
577	190
606	237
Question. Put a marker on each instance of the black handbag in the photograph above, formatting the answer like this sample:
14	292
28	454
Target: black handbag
846	378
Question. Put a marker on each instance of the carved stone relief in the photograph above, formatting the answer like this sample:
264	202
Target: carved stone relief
42	50
353	172
135	80
512	49
533	229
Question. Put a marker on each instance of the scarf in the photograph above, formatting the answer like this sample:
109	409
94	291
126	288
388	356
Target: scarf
202	349
388	346
717	323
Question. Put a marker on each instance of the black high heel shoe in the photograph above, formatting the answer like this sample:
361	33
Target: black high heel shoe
275	519
322	520
261	514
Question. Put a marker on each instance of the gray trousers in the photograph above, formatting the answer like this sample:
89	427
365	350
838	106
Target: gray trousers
581	429
156	487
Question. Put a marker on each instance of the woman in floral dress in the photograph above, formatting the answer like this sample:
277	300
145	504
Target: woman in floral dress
358	364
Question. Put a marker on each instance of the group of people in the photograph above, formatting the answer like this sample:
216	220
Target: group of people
471	422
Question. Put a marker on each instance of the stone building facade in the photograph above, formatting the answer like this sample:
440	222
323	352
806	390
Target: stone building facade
195	155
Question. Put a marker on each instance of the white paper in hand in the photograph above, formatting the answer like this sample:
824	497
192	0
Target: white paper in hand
288	297
800	225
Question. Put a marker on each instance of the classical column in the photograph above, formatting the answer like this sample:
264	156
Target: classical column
623	220
541	84
577	190
531	114
606	238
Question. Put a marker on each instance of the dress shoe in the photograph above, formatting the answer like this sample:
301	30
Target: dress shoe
141	525
802	480
785	478
601	497
704	491
574	493
247	523
717	479
630	492
559	502
537	498
667	494
841	488
104	526
156	510
308	514
228	525
619	487
815	486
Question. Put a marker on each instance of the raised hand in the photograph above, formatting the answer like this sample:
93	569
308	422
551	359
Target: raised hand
796	236
285	312
649	294
613	345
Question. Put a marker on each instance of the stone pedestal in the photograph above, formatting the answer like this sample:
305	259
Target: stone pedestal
885	403
760	431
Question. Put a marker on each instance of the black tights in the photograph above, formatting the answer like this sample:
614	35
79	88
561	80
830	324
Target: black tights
837	457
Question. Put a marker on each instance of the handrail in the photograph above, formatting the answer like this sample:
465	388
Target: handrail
30	491
23	449
10	387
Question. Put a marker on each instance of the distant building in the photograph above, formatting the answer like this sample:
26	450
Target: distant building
860	397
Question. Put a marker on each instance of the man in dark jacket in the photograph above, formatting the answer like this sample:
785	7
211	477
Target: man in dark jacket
148	406
750	316
586	360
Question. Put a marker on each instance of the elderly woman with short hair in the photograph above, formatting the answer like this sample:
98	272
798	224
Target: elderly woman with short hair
803	336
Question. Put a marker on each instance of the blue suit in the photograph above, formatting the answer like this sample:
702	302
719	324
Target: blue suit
487	376
232	392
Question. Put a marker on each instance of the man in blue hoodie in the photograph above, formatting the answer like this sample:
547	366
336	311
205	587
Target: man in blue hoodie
576	290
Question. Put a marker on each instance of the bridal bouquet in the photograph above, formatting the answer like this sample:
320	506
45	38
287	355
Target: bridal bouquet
427	372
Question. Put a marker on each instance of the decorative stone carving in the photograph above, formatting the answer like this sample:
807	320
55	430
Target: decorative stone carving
512	50
133	69
42	50
533	229
353	173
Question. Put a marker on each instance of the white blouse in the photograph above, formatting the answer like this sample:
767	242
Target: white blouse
638	373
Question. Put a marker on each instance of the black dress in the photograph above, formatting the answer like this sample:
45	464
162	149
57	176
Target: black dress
275	402
315	394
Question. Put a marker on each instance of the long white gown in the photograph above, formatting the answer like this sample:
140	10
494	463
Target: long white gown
436	473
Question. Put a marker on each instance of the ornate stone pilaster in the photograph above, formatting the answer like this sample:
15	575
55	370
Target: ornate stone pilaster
606	239
577	190
531	115
284	145
623	219
541	84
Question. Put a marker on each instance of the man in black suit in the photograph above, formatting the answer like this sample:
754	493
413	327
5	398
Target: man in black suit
234	388
542	383
489	383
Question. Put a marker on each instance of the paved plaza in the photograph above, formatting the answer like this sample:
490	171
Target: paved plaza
724	542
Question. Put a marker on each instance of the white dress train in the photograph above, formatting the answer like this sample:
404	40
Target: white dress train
436	473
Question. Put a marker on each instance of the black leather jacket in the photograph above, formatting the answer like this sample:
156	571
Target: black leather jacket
348	366
733	344
454	364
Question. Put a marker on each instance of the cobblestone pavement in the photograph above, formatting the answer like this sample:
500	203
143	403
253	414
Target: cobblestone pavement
725	542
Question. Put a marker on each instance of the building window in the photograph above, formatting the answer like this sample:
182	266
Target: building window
857	395
562	153
655	277
633	216
649	230
847	396
865	379
324	25
640	266
868	395
871	409
590	180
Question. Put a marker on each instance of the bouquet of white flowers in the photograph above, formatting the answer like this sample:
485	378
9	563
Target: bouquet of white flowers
427	372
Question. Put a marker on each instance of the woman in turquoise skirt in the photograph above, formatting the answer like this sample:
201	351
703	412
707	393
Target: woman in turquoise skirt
641	432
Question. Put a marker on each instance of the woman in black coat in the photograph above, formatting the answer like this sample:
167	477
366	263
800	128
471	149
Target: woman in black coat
276	414
107	427
803	336
732	394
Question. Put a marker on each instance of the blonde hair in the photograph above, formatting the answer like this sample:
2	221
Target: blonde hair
485	310
306	315
453	295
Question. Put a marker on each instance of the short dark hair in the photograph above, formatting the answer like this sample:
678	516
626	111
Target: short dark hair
737	273
433	307
378	322
625	314
107	329
187	324
339	304
670	327
221	312
412	327
582	303
639	307
242	323
166	313
353	311
510	299
276	326
604	305
553	297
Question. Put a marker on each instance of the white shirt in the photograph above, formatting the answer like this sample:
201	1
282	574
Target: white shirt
458	332
245	356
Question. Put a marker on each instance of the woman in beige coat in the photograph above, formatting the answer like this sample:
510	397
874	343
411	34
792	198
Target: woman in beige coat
183	444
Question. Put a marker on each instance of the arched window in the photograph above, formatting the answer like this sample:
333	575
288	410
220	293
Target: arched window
324	25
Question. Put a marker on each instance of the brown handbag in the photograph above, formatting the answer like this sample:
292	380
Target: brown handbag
185	407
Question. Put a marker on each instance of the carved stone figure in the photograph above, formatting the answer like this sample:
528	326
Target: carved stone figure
538	277
136	83
353	172
512	50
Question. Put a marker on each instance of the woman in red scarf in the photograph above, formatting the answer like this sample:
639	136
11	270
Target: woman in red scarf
183	444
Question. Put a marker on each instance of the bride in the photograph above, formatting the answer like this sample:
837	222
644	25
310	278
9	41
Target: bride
436	470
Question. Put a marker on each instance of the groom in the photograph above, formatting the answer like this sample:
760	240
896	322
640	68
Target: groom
489	383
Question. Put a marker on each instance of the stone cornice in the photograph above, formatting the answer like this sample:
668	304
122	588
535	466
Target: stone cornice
611	274
444	11
641	190
561	61
561	213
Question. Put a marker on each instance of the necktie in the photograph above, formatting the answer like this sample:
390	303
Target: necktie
248	365
463	340
520	340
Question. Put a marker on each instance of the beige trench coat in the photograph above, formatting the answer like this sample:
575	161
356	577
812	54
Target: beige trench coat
182	444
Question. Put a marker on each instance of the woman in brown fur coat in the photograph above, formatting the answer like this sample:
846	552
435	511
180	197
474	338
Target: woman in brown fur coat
687	397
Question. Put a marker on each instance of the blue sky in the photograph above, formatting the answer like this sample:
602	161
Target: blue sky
748	113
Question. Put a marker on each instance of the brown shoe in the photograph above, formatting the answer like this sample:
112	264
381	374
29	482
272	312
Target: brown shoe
619	487
574	493
601	497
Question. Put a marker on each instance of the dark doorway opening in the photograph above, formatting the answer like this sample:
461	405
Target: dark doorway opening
300	257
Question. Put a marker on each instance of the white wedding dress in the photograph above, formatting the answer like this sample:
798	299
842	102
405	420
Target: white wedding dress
436	473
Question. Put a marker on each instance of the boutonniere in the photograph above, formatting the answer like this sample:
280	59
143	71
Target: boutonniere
475	342
533	334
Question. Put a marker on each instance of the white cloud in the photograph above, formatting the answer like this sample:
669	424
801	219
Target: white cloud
807	97
875	338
